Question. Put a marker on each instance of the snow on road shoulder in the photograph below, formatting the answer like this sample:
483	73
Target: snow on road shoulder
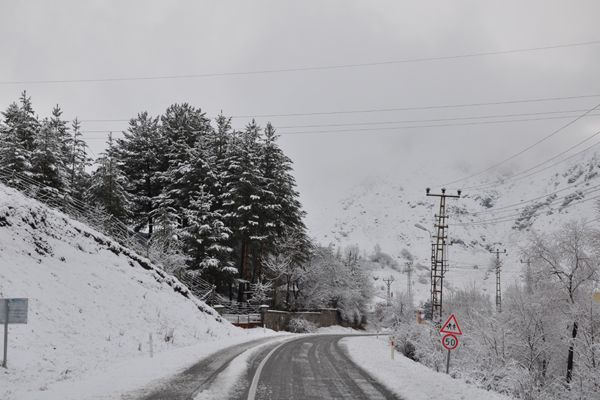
409	379
93	306
230	380
129	375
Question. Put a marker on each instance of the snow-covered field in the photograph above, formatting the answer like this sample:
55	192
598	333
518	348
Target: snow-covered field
93	307
409	379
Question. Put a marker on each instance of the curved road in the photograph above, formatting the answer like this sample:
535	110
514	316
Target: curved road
304	368
313	367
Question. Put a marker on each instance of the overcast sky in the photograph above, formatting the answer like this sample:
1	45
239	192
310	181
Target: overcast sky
71	40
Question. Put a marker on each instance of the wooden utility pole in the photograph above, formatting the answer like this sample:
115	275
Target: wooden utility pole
498	289
439	262
389	281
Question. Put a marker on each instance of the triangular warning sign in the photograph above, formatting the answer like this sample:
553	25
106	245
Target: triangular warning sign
451	326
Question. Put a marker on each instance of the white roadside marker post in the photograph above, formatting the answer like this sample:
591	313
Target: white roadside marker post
392	344
150	345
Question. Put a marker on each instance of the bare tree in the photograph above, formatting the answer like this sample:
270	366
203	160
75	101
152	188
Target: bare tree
569	261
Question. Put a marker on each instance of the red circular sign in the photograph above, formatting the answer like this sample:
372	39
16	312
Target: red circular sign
450	342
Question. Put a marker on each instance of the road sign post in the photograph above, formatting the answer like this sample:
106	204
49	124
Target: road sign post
13	311
450	329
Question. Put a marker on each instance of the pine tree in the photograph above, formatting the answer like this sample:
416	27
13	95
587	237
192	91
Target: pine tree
61	131
182	125
108	183
283	210
140	152
21	127
165	243
28	125
243	195
13	154
206	235
46	160
77	178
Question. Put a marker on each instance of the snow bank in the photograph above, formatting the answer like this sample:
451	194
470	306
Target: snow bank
92	303
409	379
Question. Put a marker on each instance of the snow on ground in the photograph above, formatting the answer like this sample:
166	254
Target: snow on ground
92	307
394	212
409	379
113	380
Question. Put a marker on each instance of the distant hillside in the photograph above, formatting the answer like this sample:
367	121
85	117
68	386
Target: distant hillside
384	211
91	301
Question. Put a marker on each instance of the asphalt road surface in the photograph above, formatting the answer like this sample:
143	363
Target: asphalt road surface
314	367
305	368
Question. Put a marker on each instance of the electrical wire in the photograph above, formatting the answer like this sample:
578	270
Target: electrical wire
538	142
305	68
518	176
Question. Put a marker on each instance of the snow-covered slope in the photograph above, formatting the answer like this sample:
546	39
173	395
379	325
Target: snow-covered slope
392	212
92	303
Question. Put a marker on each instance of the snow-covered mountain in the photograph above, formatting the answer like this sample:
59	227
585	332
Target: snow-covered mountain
92	302
493	212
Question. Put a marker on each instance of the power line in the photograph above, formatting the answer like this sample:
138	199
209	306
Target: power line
376	110
517	175
510	218
553	133
305	68
397	128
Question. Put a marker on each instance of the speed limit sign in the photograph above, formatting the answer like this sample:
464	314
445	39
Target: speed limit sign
450	342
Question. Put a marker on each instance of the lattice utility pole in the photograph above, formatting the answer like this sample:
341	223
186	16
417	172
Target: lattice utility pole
528	276
439	253
409	266
498	290
389	281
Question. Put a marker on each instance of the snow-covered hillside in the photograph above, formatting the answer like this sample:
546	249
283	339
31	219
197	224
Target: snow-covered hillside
393	212
92	303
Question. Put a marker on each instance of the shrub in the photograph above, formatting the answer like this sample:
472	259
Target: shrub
300	325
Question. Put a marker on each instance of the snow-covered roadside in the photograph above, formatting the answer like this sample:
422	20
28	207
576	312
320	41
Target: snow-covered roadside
93	306
126	376
409	379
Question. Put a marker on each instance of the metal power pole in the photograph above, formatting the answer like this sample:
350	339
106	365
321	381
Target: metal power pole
439	252
528	276
389	281
409	265
498	290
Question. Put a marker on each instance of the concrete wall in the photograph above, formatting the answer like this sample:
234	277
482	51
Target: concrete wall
279	320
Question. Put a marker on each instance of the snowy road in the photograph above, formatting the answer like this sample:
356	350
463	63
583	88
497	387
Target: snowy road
308	367
186	385
313	367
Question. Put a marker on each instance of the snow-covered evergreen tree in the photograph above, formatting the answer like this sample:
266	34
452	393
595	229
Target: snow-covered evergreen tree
77	160
140	151
206	235
13	154
46	159
108	184
21	127
182	125
243	196
283	211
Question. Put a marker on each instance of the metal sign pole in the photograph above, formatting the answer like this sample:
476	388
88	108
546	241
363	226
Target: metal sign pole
5	332
448	362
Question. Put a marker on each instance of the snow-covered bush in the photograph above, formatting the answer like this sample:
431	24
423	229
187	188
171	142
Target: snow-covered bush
300	325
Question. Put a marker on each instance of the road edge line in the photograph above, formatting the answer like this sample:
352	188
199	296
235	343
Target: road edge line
254	384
